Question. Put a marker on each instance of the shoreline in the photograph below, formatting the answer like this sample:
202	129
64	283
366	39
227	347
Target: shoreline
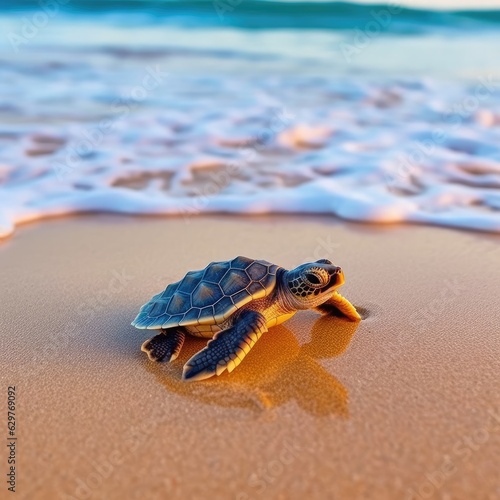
325	217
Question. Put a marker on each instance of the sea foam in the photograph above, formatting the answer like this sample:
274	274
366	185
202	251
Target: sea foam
151	129
377	152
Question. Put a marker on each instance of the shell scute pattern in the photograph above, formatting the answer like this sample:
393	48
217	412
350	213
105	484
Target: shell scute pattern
215	270
188	283
146	321
159	308
255	287
210	295
241	263
234	281
166	295
241	297
206	293
224	305
192	316
175	320
256	271
207	313
179	302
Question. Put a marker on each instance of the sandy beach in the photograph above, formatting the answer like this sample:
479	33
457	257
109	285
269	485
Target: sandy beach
140	140
404	405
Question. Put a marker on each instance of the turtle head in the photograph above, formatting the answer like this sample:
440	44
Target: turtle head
309	285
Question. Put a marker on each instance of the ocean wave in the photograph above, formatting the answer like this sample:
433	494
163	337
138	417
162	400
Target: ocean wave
150	119
375	151
262	14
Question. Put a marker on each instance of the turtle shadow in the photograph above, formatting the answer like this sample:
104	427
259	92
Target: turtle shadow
276	371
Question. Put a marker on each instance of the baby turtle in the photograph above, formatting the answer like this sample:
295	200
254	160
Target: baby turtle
235	302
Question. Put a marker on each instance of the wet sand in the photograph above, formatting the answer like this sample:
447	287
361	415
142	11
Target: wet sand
404	405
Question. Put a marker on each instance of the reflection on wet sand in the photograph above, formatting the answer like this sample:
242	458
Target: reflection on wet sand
277	370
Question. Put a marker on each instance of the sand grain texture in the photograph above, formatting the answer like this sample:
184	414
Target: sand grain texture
320	408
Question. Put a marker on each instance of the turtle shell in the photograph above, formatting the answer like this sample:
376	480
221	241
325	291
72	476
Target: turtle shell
209	296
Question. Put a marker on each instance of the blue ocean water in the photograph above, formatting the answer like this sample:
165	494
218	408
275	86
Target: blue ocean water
268	14
369	112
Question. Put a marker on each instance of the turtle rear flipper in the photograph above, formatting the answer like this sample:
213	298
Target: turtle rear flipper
228	347
166	346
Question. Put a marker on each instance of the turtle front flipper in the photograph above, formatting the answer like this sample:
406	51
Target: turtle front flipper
228	347
337	305
166	346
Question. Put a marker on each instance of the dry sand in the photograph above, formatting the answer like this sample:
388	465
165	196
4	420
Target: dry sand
404	405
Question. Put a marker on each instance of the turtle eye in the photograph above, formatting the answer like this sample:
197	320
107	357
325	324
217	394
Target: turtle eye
313	279
324	261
